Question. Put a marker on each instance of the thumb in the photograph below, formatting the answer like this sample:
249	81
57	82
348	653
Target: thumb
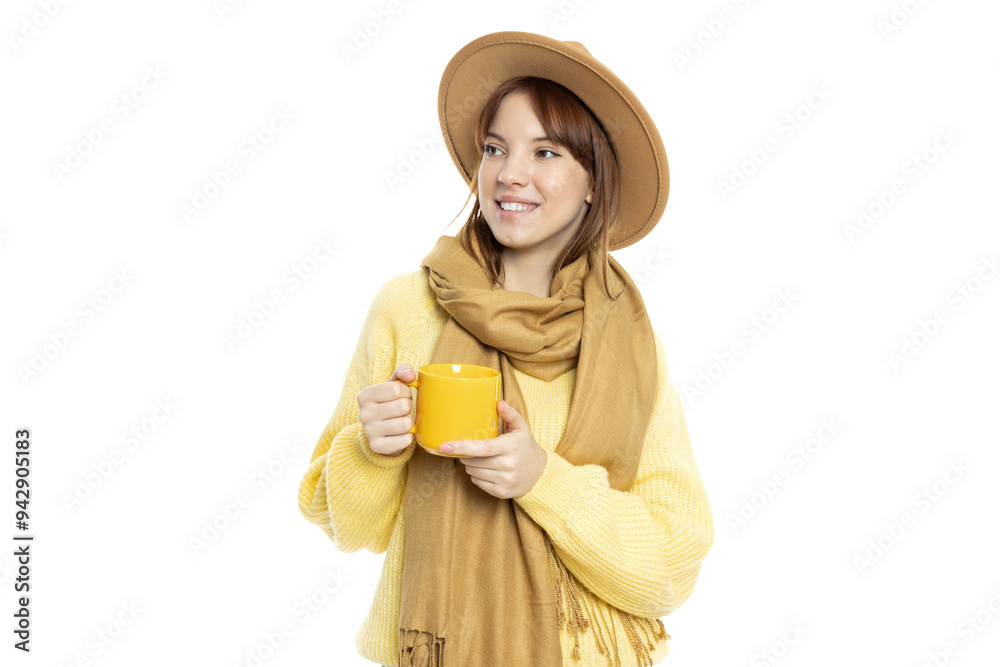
509	415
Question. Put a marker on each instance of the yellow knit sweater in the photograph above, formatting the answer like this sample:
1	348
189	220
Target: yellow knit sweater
638	551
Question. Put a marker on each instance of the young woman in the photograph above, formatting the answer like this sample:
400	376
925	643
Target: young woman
564	539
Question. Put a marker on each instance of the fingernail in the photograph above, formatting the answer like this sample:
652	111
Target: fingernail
446	448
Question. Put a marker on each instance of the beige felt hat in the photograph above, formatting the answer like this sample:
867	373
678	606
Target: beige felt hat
484	63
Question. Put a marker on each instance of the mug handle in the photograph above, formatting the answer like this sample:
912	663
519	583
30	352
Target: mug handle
414	384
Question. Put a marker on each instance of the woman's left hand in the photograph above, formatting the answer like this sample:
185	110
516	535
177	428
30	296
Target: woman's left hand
506	466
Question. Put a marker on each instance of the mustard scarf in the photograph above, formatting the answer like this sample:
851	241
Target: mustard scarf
482	584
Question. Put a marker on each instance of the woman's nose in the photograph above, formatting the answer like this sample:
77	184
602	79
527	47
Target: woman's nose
513	173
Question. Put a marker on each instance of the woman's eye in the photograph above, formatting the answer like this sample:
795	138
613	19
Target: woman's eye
490	149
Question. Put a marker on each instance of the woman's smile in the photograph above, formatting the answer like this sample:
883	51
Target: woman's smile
509	210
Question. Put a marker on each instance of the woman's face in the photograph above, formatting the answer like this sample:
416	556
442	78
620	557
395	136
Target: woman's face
526	170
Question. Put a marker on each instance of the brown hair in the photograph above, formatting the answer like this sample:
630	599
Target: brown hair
568	121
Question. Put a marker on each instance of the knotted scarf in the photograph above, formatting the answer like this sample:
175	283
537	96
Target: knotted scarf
482	584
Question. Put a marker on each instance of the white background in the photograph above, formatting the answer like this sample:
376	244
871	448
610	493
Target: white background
856	299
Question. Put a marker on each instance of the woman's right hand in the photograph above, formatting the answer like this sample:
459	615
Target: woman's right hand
384	412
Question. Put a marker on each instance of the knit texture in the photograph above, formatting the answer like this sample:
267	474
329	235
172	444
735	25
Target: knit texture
639	551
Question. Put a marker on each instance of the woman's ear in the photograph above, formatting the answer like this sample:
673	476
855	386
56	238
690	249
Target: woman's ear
589	198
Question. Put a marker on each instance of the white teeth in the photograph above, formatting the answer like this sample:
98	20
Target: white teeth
513	206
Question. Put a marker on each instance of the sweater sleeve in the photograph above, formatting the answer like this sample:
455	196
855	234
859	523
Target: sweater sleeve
640	550
350	491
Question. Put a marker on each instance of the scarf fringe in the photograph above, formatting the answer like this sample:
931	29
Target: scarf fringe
411	640
577	617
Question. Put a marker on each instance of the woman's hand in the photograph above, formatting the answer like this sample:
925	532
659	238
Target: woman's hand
384	412
506	466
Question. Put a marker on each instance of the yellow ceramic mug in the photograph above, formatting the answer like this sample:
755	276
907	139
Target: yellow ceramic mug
455	402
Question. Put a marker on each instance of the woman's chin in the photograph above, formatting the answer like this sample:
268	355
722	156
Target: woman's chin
504	232
512	241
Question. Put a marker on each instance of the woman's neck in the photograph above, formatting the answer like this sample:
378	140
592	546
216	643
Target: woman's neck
520	275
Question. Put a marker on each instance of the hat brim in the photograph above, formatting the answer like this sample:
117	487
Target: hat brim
484	64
